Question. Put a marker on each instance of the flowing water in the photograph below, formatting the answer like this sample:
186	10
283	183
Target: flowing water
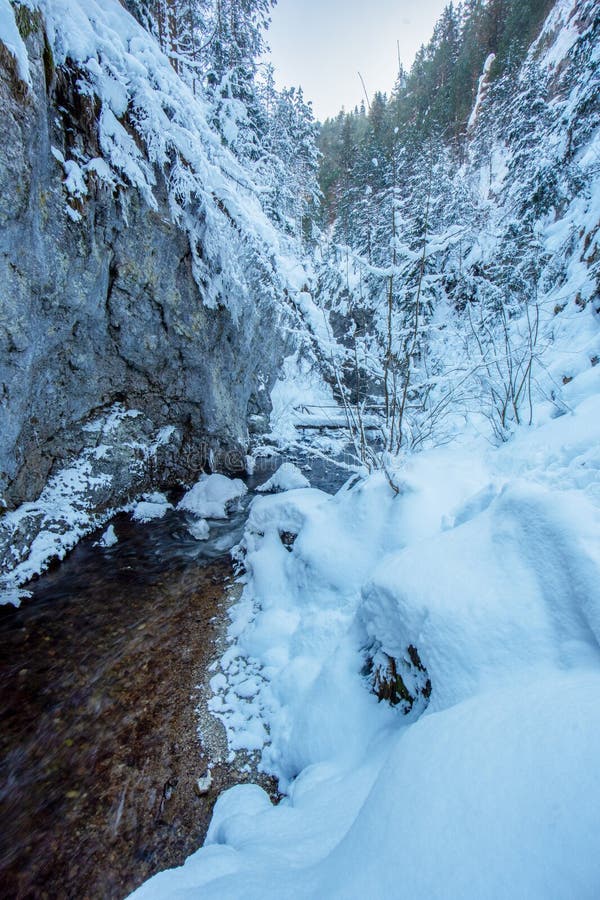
99	751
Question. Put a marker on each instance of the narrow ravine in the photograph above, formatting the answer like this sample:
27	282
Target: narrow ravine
100	682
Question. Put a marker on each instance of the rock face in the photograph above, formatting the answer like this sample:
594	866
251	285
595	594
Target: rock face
98	304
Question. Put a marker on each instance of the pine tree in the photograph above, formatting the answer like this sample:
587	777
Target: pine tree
289	158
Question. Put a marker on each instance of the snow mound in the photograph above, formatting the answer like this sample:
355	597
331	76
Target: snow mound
212	495
514	588
288	477
109	538
152	506
199	529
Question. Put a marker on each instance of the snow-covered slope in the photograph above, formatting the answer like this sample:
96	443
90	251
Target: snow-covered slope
478	586
509	291
534	173
142	101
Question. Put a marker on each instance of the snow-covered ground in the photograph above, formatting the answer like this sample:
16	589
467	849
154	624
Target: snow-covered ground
474	594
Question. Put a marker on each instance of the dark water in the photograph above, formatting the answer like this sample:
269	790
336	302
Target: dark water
98	748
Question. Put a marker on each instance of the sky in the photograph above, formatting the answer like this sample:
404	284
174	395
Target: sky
323	44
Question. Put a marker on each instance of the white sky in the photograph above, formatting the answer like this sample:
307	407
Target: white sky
321	44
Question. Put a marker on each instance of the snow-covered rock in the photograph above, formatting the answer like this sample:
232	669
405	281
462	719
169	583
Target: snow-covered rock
109	538
151	506
199	529
12	40
118	452
288	477
212	495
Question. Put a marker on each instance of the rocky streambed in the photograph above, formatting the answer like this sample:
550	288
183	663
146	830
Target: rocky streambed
100	753
103	685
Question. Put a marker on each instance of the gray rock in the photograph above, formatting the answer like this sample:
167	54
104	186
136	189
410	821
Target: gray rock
120	456
105	309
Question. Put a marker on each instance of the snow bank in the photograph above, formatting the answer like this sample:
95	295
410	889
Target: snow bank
495	797
513	586
481	578
212	495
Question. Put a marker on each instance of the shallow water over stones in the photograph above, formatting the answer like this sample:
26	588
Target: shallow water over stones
99	746
99	753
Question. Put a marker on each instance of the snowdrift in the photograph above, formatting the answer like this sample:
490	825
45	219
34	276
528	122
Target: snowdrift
481	577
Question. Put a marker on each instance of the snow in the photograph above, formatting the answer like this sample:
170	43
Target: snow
314	317
211	496
151	506
501	787
561	26
62	511
286	478
109	538
12	40
481	89
487	561
298	386
503	595
74	180
49	527
199	529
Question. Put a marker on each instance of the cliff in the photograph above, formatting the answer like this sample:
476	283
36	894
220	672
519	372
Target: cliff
144	293
107	289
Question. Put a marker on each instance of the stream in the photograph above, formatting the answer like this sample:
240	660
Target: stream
101	679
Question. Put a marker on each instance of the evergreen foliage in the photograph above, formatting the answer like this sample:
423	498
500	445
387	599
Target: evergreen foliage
215	46
410	187
436	97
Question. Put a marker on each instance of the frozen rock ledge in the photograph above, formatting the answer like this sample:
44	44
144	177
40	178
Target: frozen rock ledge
121	453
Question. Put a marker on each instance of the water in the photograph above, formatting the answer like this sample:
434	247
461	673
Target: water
99	751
